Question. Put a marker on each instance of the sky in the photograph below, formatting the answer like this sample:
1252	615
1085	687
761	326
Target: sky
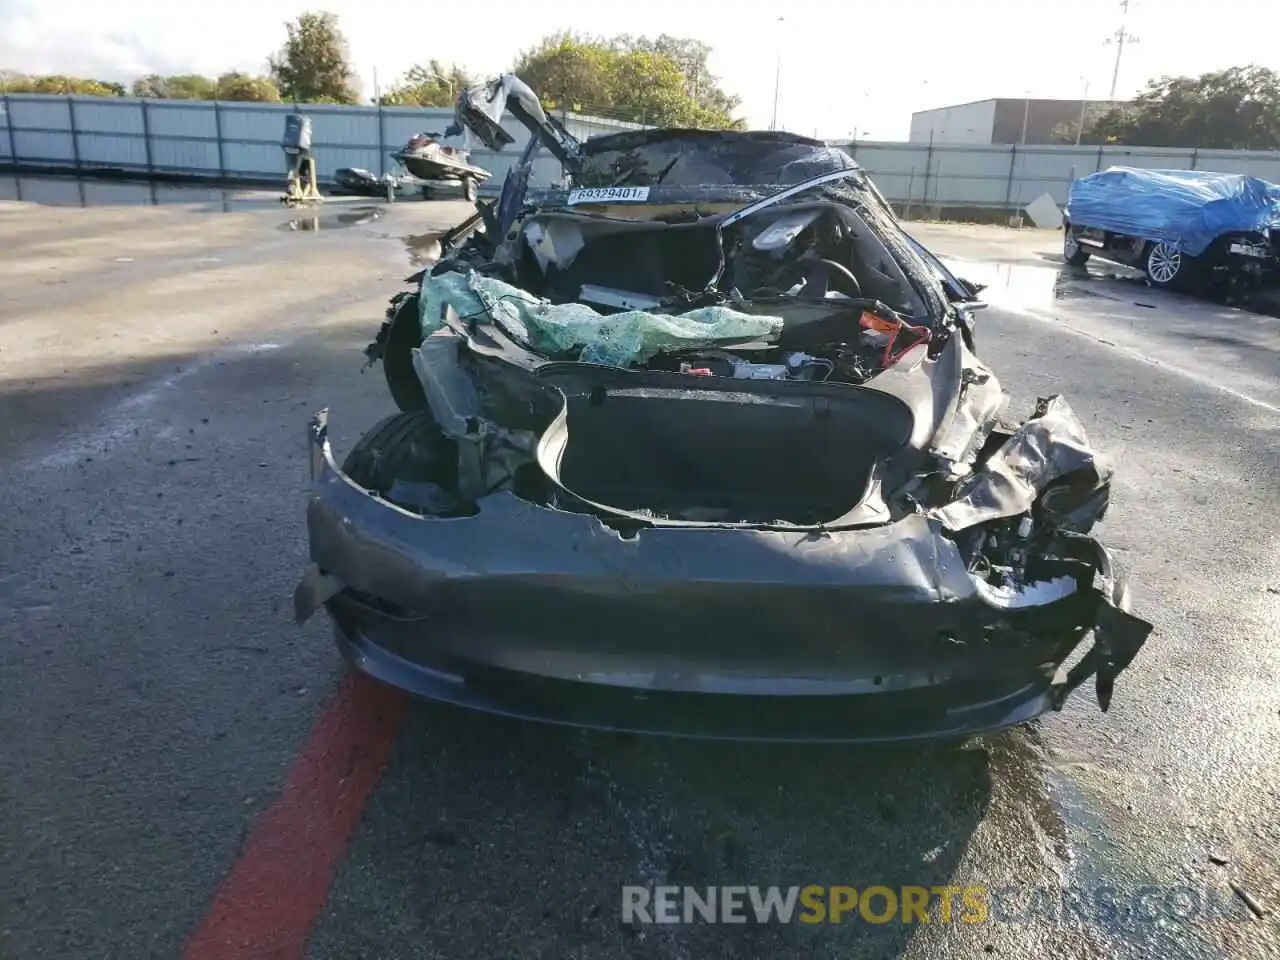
841	69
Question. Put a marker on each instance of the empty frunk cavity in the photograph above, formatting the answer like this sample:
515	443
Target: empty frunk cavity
721	456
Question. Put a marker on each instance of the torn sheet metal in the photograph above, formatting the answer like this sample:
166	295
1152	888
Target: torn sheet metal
972	414
1050	445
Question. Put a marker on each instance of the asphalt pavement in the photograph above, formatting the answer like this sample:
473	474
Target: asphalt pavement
167	730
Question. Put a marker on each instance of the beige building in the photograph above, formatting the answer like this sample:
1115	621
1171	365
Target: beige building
1001	121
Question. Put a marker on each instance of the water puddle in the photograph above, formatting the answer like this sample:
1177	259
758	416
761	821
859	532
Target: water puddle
1023	285
317	221
1027	286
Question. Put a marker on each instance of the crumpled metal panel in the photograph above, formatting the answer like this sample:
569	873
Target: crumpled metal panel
1050	445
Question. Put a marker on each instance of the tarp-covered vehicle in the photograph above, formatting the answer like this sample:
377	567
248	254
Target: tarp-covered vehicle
1185	229
699	444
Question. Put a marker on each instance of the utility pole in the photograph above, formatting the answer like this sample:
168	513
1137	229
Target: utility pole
777	82
1120	38
1026	115
1084	105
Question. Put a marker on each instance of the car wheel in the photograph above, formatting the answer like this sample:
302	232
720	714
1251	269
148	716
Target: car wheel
403	338
1165	265
404	446
1072	252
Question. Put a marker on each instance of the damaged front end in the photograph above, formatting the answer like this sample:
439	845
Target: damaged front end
716	459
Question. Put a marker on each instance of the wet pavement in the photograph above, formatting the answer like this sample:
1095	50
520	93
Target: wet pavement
157	367
73	192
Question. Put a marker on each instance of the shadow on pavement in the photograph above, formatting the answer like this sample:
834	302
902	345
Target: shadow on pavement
493	837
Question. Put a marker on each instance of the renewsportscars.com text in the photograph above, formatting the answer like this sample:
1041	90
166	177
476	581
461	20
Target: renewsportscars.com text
815	903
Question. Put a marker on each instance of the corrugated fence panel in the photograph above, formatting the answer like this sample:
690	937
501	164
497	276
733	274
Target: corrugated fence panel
105	115
33	112
186	156
253	159
5	135
885	158
351	127
1064	165
254	123
184	139
1252	163
193	120
108	151
1147	158
330	159
967	176
52	148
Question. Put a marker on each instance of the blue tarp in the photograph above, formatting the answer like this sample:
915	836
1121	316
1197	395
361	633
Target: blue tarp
1189	208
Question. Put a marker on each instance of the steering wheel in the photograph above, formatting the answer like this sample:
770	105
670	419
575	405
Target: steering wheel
820	277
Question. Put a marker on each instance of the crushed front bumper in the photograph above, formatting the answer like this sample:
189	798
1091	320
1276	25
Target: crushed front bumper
859	635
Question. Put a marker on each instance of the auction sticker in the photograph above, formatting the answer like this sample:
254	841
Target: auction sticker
608	195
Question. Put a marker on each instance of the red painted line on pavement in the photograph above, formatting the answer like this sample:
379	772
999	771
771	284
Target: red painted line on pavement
280	881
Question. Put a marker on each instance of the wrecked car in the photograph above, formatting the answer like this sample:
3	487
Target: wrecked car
1186	230
698	443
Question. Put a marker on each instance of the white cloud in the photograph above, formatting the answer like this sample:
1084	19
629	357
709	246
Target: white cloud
843	65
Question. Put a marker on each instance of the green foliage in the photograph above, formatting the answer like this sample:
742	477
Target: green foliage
1233	109
691	56
230	86
663	82
1066	132
59	84
182	87
314	65
659	82
427	86
242	86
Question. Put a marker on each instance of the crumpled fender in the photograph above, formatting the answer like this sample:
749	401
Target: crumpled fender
1047	447
1046	453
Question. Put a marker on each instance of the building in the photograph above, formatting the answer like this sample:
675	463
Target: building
1001	120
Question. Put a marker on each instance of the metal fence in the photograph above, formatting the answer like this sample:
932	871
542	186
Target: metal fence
230	141
240	142
939	180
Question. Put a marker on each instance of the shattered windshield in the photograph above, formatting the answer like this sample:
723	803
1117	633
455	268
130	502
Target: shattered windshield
698	158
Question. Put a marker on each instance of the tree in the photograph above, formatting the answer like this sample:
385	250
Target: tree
691	57
1093	113
314	63
60	84
663	82
241	86
427	86
188	86
569	71
1233	109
